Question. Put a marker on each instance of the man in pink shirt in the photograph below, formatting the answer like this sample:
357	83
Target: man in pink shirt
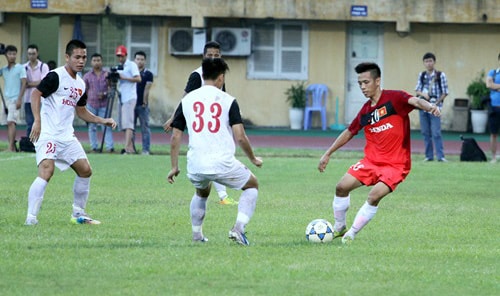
36	70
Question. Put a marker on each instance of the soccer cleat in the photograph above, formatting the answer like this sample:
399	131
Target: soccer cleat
347	239
30	221
84	219
238	237
339	233
202	240
228	201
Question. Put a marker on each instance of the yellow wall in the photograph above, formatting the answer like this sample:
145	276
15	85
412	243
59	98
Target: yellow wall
462	51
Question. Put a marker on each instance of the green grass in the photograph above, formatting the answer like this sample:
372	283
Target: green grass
437	234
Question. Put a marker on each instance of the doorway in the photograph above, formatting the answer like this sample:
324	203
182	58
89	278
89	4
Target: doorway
44	32
365	44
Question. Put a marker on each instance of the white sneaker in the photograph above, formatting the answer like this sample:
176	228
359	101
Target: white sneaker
30	221
347	238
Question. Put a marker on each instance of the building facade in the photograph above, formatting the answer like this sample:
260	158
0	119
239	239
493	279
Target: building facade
270	45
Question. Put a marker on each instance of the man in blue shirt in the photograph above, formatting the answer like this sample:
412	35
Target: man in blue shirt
14	76
141	111
493	83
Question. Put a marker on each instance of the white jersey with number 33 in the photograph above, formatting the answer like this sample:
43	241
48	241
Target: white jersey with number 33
211	143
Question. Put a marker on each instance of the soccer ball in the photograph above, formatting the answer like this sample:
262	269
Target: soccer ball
319	231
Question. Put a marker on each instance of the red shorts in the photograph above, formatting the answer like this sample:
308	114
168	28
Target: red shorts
370	174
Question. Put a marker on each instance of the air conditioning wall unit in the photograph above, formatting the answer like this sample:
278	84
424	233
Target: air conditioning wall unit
233	41
186	41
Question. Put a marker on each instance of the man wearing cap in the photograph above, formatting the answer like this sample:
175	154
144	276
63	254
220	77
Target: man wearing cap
129	77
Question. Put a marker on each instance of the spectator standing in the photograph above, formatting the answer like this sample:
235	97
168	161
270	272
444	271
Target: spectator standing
96	83
387	160
36	70
493	83
211	50
129	77
54	102
212	118
432	86
141	111
14	76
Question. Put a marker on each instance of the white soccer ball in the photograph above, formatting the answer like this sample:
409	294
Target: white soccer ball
319	231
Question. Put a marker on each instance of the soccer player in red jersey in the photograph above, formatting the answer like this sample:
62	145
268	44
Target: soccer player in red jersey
387	161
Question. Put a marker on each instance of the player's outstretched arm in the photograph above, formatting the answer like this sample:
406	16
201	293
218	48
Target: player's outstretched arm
36	101
341	140
244	143
424	105
175	143
86	115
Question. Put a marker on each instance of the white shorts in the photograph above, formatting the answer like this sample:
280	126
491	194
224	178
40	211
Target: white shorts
13	112
65	153
127	115
235	178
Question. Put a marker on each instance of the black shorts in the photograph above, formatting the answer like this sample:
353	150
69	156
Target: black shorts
494	119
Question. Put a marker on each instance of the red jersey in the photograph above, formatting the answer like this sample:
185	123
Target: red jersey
387	129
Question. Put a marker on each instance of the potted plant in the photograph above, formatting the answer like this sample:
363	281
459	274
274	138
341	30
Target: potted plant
296	97
478	94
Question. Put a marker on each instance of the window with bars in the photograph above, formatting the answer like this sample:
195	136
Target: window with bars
103	35
279	51
143	36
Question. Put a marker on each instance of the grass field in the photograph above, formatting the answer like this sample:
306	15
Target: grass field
436	235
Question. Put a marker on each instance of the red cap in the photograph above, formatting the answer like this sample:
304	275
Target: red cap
121	50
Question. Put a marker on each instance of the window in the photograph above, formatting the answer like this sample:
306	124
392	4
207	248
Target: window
104	34
90	31
280	51
142	35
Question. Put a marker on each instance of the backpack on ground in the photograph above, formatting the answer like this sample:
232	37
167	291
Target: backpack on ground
25	145
471	150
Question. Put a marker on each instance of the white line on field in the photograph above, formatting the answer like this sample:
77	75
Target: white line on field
18	157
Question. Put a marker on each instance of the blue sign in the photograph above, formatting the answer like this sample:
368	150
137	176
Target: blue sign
359	10
39	3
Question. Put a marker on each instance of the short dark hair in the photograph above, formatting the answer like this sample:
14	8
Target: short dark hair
212	68
75	43
33	46
142	53
373	68
429	55
211	44
96	55
10	48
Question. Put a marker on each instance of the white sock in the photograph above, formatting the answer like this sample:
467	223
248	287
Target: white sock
246	207
35	196
340	206
81	188
221	190
364	215
197	208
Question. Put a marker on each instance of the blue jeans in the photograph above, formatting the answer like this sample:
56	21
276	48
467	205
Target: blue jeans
430	126
108	138
143	114
28	115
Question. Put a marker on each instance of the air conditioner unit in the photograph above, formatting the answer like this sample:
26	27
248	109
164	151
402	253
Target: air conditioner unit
233	41
186	41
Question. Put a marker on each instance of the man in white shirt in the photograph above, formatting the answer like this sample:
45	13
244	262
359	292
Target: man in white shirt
213	118
54	102
129	77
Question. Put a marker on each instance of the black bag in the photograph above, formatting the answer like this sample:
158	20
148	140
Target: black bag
25	145
471	150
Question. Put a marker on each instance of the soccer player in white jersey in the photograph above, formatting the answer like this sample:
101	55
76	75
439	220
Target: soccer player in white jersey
213	118
63	92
